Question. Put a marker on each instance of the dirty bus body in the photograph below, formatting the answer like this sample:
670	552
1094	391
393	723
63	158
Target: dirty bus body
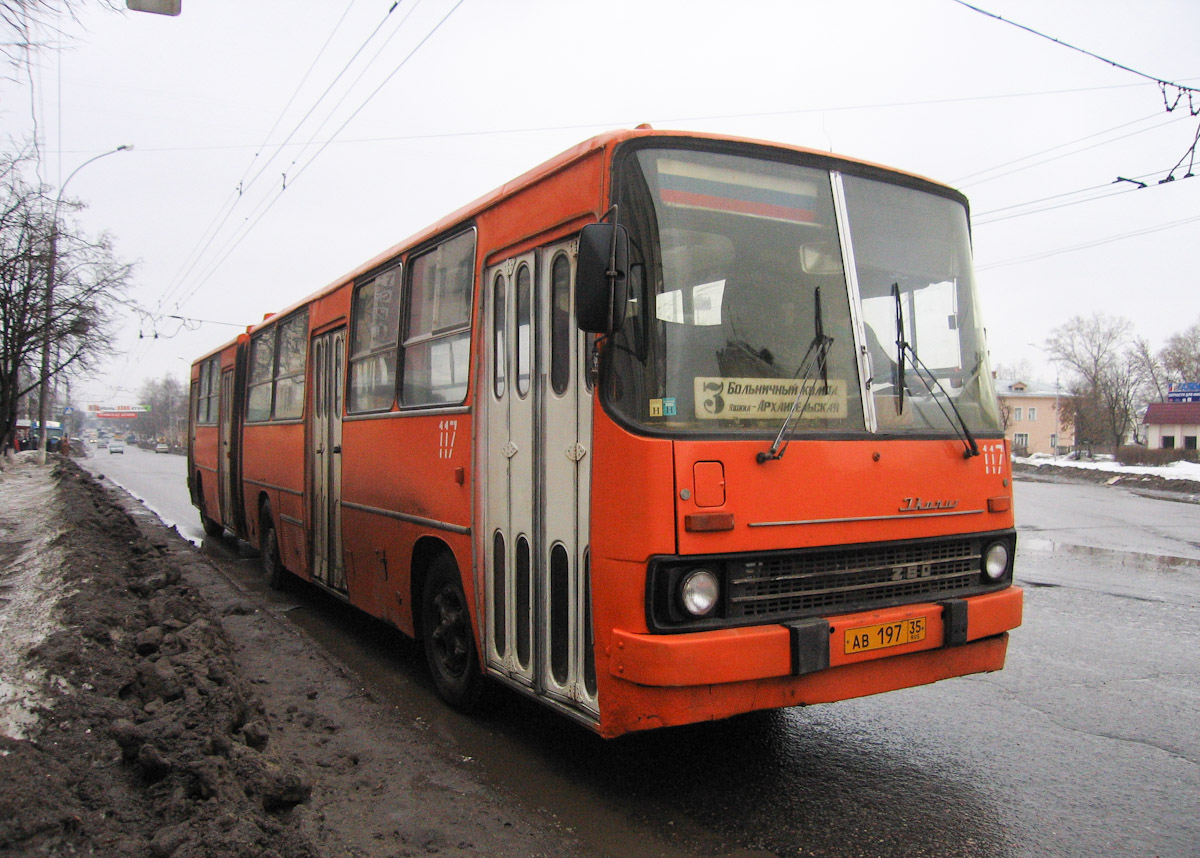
670	428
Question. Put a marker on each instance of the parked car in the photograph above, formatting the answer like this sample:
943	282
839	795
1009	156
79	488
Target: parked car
116	447
161	447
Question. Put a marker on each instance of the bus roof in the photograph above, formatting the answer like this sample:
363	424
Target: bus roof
606	140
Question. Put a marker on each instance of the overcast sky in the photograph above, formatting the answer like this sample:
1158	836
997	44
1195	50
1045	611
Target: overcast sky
451	98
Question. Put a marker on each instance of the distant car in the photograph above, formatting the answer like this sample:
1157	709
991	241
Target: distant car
102	443
160	447
116	447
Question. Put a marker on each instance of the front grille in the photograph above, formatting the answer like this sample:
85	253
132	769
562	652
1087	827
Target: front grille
777	586
840	580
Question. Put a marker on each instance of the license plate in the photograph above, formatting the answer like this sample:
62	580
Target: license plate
884	635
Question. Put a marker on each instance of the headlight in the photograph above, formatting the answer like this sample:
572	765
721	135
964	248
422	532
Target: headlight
995	561
699	591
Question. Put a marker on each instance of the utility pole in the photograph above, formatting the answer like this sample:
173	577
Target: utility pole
48	316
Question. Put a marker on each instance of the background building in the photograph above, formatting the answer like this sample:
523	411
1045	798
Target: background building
1172	425
1032	415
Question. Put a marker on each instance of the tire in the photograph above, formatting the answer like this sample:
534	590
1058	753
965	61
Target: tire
211	526
272	563
448	639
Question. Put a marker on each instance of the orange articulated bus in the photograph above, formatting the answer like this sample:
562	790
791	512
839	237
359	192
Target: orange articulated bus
670	428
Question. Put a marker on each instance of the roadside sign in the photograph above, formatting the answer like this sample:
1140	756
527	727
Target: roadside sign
1184	391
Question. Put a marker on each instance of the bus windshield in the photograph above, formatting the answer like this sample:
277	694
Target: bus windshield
741	310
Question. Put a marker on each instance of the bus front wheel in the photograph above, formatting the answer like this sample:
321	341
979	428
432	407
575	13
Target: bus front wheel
449	641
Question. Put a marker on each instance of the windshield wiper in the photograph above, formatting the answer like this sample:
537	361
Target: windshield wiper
818	351
905	351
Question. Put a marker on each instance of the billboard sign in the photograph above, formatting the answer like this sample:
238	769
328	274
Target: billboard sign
1184	391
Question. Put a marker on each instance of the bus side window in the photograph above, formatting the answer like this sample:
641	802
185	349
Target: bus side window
289	374
438	331
262	371
376	317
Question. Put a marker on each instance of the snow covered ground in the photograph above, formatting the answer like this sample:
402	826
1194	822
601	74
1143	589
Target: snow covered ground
1174	471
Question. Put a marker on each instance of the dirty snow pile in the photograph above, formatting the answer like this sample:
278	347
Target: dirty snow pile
126	728
29	591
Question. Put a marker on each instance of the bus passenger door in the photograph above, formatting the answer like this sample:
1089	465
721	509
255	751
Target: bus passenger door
564	423
225	451
534	457
507	467
325	450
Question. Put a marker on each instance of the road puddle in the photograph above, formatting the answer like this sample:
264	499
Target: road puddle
1044	546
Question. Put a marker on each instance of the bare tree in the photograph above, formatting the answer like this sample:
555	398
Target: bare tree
20	19
1180	357
168	401
1097	351
1150	369
1022	370
88	282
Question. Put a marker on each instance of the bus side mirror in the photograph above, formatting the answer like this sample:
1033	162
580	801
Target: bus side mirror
602	278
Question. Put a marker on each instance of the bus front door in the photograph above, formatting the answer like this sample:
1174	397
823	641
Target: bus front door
536	470
325	450
225	469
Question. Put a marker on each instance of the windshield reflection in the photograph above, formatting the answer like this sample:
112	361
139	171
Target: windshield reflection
740	312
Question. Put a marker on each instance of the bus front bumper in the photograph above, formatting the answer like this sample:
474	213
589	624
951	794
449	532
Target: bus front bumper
806	648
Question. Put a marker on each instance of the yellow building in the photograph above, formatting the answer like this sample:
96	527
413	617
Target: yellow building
1032	418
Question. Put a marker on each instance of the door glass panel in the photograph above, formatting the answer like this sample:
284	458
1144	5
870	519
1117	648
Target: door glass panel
560	614
560	324
499	596
589	659
524	338
524	591
499	345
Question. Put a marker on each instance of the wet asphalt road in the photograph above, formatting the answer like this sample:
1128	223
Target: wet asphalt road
1087	744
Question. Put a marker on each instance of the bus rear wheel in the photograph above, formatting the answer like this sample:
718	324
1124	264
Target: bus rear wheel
272	563
448	639
211	526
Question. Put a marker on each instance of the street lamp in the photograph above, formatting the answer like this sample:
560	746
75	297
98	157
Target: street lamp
48	318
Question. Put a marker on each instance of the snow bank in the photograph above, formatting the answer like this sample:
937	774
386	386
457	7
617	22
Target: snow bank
1173	471
29	587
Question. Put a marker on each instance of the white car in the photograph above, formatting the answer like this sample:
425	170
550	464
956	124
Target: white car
116	447
160	447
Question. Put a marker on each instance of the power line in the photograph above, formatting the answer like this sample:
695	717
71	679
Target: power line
616	123
237	195
962	182
223	213
984	220
1114	63
362	72
1090	244
248	229
1172	93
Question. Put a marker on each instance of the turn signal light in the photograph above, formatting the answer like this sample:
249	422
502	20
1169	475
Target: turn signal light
707	522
